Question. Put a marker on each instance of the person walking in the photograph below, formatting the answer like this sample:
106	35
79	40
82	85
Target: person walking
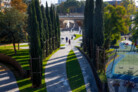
66	39
69	42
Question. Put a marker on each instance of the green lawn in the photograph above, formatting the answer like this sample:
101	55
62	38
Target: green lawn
22	57
10	46
77	36
62	45
74	73
128	65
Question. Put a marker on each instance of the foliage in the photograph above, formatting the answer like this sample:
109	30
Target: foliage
102	77
48	16
115	23
89	27
22	57
19	5
46	30
129	6
74	73
35	45
42	27
71	6
135	28
11	25
98	24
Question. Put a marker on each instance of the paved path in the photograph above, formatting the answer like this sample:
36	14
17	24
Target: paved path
55	71
7	80
56	77
88	76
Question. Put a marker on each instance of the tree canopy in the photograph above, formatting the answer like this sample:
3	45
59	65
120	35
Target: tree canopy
135	28
11	25
19	5
71	6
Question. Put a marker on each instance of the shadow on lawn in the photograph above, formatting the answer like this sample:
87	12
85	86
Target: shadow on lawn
22	56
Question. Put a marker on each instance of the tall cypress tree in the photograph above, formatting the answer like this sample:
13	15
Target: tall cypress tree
57	30
40	20
53	26
53	20
50	27
89	26
98	28
46	29
35	46
85	33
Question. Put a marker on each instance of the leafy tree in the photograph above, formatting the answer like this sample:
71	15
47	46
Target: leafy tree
19	5
129	6
115	23
71	6
11	24
135	28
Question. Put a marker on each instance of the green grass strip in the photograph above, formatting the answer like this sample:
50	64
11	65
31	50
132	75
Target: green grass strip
77	36
10	46
74	73
62	45
25	84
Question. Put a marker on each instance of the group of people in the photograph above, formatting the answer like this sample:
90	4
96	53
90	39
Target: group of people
68	40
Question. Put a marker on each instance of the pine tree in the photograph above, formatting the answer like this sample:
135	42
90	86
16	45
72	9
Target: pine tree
46	29
35	46
50	27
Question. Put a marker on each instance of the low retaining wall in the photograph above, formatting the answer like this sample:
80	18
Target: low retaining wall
12	64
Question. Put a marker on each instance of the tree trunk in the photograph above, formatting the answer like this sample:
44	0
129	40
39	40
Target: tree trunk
14	48
18	46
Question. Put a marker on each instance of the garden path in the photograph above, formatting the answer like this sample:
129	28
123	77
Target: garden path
7	80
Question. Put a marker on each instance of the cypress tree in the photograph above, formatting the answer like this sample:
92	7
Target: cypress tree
98	28
57	30
50	27
46	29
85	33
35	46
53	26
53	19
89	15
40	21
